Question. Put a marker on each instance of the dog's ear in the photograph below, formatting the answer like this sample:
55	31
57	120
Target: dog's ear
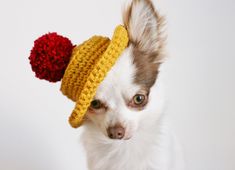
144	26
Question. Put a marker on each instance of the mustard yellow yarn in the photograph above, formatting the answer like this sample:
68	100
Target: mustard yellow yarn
89	64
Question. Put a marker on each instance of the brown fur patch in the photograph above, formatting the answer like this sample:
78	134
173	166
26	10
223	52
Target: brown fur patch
147	71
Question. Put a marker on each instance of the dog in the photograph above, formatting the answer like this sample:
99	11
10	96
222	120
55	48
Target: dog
126	128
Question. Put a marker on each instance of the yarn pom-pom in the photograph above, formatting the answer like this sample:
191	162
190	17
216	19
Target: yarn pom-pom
50	56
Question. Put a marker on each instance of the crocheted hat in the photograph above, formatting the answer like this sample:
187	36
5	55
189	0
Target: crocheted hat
82	67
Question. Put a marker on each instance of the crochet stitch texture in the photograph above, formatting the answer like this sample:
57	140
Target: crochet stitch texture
88	66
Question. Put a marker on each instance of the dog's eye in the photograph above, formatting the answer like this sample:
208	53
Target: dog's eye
139	99
96	104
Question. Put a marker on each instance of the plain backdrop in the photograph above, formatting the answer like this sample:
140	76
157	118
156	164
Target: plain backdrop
199	76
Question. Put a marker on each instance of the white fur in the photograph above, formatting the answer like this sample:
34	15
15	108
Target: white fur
148	143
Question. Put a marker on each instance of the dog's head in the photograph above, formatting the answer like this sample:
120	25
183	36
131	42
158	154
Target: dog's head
126	94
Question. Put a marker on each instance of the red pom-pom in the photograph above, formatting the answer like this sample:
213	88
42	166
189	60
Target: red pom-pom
50	56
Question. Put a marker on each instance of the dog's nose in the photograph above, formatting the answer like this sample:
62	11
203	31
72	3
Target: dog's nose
116	132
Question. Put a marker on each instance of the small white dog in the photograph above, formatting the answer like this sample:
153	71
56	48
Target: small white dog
126	128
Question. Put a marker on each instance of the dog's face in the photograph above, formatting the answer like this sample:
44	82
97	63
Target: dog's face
124	97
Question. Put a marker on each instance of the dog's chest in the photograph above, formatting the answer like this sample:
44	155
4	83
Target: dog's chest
136	154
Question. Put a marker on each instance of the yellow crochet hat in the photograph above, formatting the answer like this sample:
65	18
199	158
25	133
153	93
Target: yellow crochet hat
82	67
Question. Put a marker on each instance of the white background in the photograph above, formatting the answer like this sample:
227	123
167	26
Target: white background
199	74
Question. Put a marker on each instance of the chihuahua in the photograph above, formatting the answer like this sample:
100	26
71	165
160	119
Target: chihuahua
125	127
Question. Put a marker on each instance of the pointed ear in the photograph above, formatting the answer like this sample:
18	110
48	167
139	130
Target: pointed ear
144	26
